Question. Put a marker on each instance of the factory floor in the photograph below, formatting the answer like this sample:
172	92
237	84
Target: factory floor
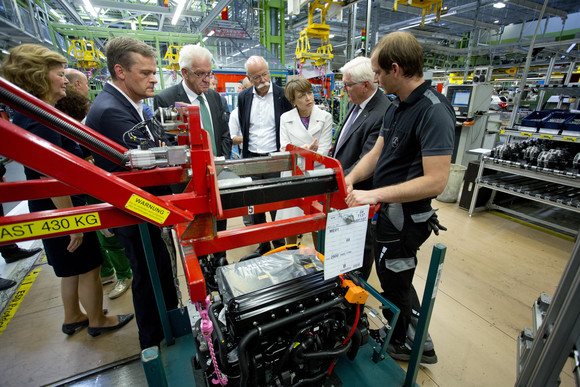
494	270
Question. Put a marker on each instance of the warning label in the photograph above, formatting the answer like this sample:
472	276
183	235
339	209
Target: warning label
147	209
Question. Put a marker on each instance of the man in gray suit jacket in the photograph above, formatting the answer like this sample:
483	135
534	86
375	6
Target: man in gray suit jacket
195	64
360	130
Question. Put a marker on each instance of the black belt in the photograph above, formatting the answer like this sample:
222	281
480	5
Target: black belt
252	154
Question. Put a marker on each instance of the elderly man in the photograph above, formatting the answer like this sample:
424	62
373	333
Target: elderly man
257	124
117	109
359	132
195	64
410	165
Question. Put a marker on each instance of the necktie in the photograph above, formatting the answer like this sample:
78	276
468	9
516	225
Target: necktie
346	128
206	122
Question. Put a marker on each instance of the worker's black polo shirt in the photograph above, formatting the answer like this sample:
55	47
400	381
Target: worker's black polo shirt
422	125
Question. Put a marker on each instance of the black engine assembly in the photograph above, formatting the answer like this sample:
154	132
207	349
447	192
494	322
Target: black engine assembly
277	322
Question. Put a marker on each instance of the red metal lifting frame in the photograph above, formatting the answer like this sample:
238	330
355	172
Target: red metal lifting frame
192	213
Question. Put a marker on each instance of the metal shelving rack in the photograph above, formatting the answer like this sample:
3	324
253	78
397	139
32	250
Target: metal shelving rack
533	174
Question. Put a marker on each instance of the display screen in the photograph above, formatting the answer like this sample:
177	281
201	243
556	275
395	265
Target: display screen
461	98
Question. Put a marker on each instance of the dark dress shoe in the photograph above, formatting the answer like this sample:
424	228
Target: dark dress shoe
263	248
72	328
6	283
17	254
123	320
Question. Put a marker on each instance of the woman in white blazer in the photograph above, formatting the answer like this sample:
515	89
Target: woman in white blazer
305	126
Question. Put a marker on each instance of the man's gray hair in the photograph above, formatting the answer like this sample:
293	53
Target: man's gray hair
191	51
360	70
255	60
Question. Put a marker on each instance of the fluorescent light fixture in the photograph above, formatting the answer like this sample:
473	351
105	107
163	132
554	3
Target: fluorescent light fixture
204	39
211	33
133	26
499	4
178	11
55	13
496	21
246	50
90	9
571	47
330	36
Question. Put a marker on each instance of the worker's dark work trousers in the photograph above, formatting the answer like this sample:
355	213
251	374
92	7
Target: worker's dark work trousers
146	314
398	238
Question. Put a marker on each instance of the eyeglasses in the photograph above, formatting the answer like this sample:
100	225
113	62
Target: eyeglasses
202	75
349	85
256	78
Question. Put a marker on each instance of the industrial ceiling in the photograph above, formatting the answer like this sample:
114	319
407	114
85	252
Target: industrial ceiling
477	25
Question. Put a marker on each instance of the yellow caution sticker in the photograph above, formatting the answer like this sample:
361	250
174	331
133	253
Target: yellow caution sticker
147	209
12	307
39	228
548	136
526	134
573	139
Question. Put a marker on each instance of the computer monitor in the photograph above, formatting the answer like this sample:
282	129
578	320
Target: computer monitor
461	98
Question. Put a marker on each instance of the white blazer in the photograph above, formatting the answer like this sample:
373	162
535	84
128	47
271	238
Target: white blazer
292	131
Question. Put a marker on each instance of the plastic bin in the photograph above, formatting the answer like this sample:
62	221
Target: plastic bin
451	192
573	123
536	119
557	120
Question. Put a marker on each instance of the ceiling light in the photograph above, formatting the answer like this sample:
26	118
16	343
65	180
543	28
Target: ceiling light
571	47
211	33
204	39
90	9
330	36
499	4
496	21
178	11
54	13
133	26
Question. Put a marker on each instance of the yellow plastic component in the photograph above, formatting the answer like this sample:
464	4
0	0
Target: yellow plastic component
428	7
316	30
355	294
85	54
172	57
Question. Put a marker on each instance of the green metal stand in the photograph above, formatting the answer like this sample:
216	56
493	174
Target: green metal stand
362	372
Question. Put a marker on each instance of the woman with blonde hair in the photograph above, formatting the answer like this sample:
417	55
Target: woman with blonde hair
306	126
75	258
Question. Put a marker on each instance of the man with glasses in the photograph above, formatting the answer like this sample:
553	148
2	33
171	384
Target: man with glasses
117	109
360	130
195	64
257	124
410	165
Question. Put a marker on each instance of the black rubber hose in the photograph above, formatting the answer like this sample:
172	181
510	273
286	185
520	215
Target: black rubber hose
339	351
309	381
260	330
356	341
65	126
219	334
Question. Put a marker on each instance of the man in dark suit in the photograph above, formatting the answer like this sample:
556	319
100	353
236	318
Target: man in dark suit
257	125
195	64
116	110
360	130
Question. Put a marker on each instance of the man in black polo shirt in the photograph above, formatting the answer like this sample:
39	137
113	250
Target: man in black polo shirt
410	165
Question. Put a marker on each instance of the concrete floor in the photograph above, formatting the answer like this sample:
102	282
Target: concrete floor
494	270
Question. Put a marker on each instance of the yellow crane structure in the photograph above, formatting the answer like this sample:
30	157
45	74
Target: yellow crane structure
428	7
85	53
316	30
